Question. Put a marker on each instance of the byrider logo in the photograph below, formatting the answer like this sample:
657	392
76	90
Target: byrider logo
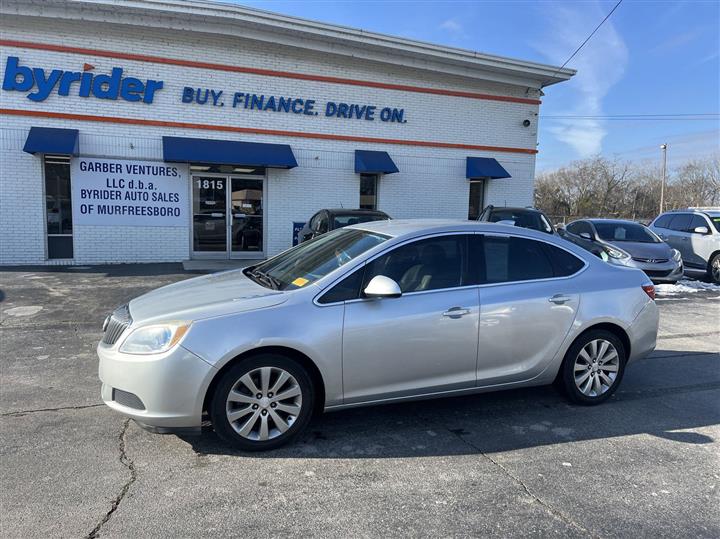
39	84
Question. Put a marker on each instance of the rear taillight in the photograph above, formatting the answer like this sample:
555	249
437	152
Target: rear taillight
649	290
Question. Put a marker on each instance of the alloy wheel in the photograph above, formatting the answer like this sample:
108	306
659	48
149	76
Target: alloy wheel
715	270
596	367
264	403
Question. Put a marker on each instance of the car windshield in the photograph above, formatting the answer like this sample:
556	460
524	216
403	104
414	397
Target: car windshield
353	219
524	219
306	263
625	232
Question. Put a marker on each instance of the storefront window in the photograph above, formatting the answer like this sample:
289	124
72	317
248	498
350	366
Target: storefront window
368	191
58	206
477	199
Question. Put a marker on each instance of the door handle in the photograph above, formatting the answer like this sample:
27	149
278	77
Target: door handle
559	299
456	312
217	215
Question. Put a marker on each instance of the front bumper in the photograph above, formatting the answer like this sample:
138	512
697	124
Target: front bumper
665	272
170	387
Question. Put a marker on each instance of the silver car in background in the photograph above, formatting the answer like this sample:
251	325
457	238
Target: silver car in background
695	232
627	243
370	314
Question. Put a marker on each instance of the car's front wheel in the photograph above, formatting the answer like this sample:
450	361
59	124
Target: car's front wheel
263	402
714	269
593	367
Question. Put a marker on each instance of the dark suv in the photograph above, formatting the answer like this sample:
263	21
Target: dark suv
522	217
327	220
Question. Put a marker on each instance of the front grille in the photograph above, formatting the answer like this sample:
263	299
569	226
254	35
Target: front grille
131	400
119	321
657	273
651	260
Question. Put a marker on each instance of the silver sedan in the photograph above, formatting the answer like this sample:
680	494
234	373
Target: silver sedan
375	313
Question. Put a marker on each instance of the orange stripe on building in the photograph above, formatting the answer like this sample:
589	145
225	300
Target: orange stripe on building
257	131
263	72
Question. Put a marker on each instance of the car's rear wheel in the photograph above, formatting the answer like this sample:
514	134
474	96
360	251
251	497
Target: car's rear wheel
593	367
262	403
715	269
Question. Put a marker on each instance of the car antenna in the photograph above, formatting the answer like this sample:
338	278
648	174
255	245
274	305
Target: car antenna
341	206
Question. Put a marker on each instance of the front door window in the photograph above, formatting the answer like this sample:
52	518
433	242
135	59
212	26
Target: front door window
227	216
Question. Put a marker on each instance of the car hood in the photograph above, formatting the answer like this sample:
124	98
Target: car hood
643	250
204	297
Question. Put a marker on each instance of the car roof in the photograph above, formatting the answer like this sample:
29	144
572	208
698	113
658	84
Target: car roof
416	227
618	221
515	208
350	211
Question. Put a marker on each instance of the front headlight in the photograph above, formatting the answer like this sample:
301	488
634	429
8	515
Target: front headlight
616	254
154	339
676	255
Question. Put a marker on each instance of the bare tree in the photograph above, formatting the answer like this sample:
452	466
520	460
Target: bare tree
599	187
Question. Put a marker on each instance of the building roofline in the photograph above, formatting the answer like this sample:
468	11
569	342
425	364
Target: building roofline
214	17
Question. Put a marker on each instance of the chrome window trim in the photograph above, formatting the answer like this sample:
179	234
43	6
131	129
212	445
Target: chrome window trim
586	264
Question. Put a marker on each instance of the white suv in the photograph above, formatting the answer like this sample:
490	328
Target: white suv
695	232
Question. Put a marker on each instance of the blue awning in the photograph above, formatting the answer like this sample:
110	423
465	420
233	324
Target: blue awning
479	168
227	152
52	140
368	162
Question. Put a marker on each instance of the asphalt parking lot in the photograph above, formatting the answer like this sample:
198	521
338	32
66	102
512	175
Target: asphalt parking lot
516	463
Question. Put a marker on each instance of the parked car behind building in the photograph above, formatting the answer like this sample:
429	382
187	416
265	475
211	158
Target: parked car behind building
627	243
695	232
326	220
522	217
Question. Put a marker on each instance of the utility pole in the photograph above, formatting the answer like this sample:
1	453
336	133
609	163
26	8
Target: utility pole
663	147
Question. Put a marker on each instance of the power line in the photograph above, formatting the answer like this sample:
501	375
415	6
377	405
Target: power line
586	40
701	115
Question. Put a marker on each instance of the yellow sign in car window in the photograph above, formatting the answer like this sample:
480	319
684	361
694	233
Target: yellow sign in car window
300	281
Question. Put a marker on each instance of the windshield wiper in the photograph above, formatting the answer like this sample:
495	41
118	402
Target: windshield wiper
268	279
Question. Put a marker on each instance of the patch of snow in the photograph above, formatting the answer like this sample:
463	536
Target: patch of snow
685	286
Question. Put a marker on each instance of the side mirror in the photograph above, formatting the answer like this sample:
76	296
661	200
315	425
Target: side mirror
382	287
586	235
701	230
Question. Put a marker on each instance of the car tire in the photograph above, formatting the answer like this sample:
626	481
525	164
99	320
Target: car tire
714	269
591	372
271	403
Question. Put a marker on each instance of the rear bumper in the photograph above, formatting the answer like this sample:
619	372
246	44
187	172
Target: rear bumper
643	332
170	387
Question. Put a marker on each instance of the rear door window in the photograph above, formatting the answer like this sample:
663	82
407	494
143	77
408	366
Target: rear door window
508	259
663	221
563	262
579	227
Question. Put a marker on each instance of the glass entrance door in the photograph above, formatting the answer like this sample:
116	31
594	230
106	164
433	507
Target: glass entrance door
246	203
227	217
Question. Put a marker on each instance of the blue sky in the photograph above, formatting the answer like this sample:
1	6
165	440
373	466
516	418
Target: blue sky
649	58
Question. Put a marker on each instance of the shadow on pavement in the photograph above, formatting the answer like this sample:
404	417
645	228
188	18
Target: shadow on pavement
108	270
662	396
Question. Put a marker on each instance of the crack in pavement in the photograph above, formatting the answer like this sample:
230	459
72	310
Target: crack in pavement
549	508
58	409
126	461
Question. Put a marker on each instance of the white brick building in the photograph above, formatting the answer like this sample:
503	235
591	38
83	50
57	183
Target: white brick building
66	110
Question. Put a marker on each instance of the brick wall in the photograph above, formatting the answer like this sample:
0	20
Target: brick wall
431	181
